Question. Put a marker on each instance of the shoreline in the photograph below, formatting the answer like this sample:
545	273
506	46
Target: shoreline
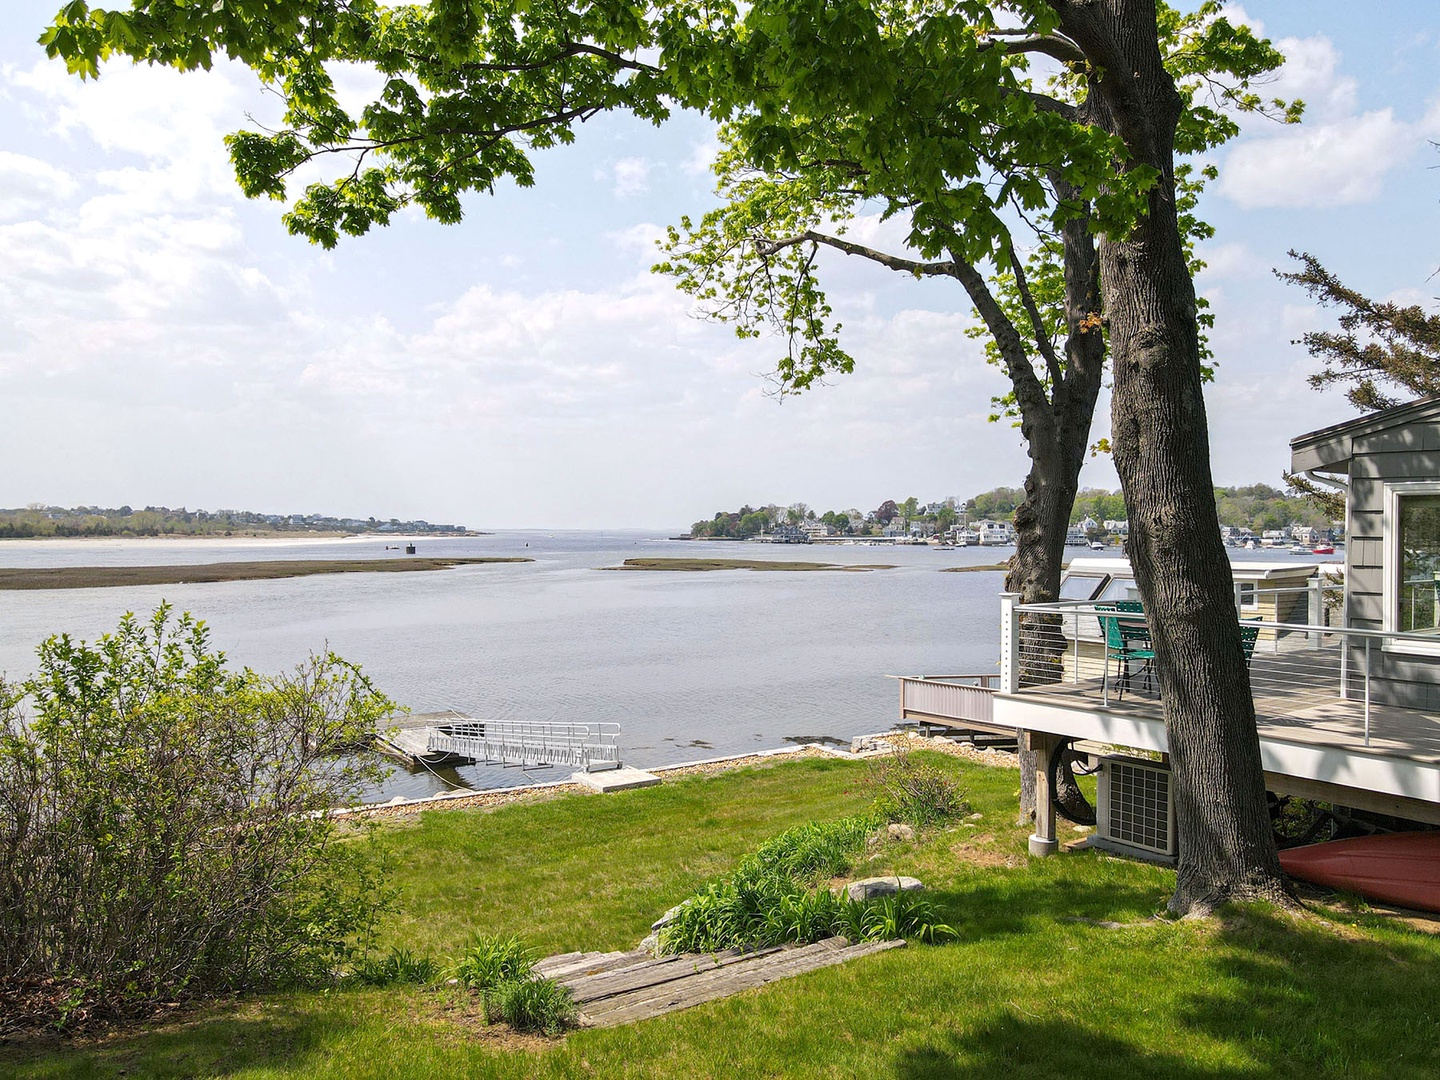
884	743
107	577
248	534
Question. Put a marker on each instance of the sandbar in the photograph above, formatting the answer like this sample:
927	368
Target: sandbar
102	577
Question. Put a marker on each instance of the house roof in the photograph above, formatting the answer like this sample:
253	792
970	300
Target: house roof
1332	448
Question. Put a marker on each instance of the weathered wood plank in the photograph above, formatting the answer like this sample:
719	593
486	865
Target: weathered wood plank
658	971
724	981
592	963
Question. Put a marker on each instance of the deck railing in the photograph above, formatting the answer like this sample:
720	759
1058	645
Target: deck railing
957	698
1294	665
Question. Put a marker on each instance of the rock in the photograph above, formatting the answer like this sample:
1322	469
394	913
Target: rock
669	916
900	831
870	888
651	943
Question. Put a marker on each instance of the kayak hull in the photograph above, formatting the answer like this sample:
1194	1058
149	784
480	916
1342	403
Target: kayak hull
1398	868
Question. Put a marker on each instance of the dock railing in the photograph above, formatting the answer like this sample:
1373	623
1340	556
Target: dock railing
530	744
1295	664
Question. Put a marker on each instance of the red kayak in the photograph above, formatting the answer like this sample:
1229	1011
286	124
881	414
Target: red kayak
1398	868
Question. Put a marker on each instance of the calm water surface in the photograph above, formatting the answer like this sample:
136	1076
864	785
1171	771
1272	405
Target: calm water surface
689	665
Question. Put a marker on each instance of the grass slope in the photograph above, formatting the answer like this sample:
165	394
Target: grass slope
1035	987
102	577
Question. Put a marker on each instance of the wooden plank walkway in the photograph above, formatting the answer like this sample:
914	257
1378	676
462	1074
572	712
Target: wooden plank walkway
622	987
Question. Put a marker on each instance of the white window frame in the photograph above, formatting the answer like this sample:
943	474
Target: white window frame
1390	566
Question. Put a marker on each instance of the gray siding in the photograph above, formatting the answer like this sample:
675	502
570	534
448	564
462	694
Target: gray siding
1393	456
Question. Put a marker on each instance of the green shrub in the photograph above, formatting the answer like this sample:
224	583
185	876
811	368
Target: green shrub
530	1004
903	914
397	967
163	818
771	898
915	793
488	961
814	852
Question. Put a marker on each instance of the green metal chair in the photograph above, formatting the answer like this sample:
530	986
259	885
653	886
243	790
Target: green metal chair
1126	639
1248	633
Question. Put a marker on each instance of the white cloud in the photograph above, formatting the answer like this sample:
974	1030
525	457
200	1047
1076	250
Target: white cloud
702	157
632	177
1336	156
27	184
1321	166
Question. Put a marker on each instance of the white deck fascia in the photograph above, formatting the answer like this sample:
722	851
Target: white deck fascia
1358	768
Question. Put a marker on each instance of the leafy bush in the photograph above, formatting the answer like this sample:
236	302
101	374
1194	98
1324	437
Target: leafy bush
397	967
488	961
771	898
915	793
503	970
530	1004
163	819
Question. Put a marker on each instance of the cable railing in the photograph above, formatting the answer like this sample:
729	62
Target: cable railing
1297	664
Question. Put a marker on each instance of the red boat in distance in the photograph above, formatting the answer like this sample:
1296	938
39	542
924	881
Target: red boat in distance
1323	549
1397	868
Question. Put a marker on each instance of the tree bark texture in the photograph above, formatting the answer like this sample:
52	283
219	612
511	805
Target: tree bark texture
1161	448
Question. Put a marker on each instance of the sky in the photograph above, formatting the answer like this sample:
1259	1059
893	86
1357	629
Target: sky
163	341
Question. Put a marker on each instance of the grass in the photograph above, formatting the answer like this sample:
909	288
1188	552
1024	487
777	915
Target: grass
103	577
1033	987
694	565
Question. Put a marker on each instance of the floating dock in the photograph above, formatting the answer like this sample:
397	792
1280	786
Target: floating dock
408	738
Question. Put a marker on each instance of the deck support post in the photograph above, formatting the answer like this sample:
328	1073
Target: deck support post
1042	840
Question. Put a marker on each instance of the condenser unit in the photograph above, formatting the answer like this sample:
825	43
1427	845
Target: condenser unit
1135	811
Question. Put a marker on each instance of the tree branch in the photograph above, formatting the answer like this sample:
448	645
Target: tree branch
1042	339
769	247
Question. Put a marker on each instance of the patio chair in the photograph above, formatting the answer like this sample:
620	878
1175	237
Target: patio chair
1249	631
1126	639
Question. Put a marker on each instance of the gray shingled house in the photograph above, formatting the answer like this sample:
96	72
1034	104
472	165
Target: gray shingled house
1389	465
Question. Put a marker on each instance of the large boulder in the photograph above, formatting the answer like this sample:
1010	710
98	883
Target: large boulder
870	888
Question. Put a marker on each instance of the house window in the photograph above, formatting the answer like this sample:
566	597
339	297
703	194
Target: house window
1248	596
1418	564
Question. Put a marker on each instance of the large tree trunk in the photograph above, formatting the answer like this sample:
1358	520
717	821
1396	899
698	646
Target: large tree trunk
1057	454
1161	447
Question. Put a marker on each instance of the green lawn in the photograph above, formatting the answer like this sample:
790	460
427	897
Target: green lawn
1033	987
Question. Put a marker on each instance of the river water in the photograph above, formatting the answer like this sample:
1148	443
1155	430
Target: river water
690	665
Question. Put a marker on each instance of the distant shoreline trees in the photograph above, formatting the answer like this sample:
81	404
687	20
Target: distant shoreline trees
1257	507
81	521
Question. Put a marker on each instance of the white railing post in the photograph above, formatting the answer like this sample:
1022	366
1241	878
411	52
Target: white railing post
1367	691
1317	611
1238	603
1009	642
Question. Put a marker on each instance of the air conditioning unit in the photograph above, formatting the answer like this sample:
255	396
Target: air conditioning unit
1135	814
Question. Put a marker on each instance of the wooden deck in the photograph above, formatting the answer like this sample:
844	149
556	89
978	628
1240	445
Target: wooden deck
623	987
1312	742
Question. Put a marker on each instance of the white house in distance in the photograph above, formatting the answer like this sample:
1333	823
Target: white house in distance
1345	678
